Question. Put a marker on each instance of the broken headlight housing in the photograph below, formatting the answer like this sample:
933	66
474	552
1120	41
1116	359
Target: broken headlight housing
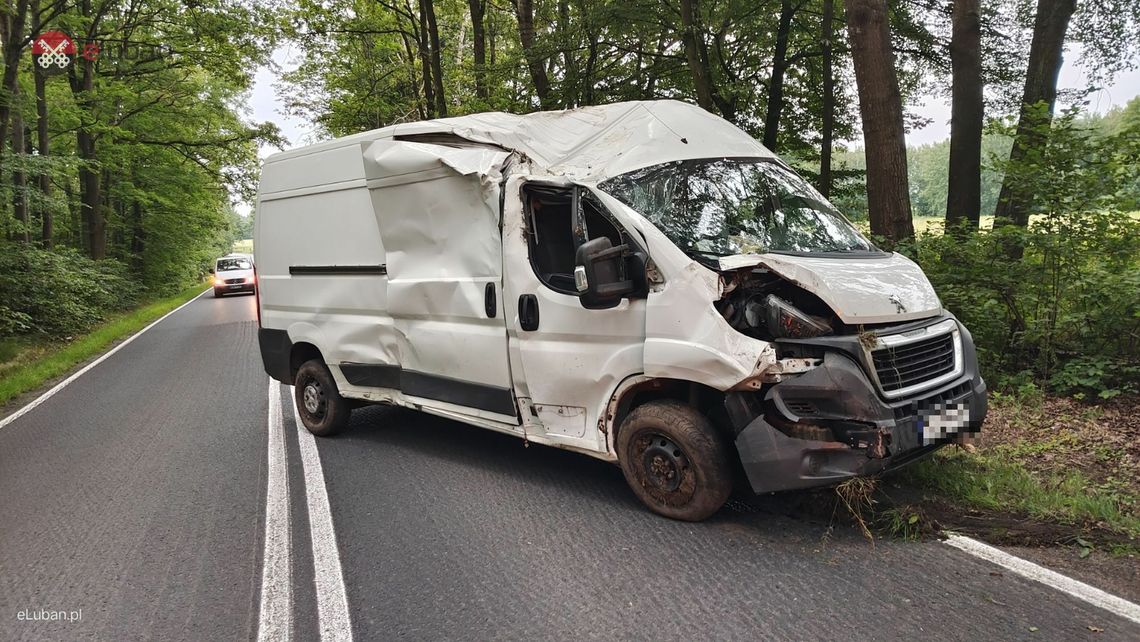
785	321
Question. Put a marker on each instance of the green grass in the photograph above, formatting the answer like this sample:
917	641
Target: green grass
996	481
244	246
26	365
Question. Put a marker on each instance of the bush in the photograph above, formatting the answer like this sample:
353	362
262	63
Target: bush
1059	299
59	293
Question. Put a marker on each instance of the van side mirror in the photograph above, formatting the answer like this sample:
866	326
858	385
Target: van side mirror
598	275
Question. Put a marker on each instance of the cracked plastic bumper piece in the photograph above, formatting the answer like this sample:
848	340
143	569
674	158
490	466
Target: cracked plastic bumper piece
830	424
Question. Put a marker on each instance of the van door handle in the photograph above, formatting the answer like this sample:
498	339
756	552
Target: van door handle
528	312
489	303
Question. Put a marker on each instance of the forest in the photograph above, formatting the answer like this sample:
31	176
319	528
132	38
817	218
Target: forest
121	168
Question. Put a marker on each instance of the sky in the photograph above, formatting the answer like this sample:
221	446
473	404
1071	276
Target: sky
265	104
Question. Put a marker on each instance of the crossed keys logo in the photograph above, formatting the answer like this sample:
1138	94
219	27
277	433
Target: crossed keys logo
54	50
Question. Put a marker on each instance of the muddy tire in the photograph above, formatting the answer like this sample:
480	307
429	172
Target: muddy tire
674	460
323	411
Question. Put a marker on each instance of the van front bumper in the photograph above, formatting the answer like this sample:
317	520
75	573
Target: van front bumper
831	424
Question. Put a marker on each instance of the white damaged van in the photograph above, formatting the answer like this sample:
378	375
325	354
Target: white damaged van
641	282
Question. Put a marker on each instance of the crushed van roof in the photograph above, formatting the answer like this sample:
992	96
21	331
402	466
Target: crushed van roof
586	143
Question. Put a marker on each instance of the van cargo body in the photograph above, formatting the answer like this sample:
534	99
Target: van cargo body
641	282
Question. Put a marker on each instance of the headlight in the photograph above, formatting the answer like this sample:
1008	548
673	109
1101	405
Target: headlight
785	321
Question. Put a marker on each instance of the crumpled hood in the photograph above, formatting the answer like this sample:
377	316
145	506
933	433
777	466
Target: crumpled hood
860	290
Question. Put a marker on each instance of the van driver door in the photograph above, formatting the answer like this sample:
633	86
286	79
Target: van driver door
566	359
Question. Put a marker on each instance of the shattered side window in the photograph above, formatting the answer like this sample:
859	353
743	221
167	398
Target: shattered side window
731	206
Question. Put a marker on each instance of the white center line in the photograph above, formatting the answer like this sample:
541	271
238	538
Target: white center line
275	621
332	603
1052	579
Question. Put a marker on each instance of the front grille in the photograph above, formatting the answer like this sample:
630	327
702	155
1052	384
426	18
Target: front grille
910	364
234	281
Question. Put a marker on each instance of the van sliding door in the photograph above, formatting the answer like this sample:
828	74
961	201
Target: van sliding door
438	215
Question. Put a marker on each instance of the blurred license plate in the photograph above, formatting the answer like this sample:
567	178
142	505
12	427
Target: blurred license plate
942	422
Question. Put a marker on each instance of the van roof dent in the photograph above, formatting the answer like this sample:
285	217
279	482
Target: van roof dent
587	143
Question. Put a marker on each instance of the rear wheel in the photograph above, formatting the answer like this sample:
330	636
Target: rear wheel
323	411
674	460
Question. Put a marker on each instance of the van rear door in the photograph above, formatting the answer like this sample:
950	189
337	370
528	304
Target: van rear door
438	212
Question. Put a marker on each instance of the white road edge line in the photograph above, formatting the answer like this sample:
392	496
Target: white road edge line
332	602
275	617
63	384
1029	570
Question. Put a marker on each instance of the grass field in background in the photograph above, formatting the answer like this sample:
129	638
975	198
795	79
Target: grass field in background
244	246
26	364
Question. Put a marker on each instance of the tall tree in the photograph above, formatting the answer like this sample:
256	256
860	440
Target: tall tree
827	35
19	177
964	195
13	19
426	65
535	61
478	10
43	142
880	106
436	65
776	80
1038	100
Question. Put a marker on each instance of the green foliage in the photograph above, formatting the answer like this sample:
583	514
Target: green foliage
1001	483
1102	376
1059	300
59	294
39	362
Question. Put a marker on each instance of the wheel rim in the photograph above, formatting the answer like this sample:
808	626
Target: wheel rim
665	472
313	398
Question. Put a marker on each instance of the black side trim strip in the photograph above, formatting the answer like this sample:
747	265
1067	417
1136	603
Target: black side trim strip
338	269
371	376
430	386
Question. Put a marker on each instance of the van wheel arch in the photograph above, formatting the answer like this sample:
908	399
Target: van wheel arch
706	400
299	354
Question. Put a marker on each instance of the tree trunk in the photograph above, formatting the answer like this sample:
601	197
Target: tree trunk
425	60
964	186
479	35
880	106
90	201
571	75
12	21
690	37
138	236
776	82
827	35
524	9
436	66
1045	57
19	179
43	141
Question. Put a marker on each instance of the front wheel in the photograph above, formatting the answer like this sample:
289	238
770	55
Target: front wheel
323	411
674	460
217	293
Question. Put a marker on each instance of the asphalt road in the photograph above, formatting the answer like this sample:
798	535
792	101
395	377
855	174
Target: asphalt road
137	495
